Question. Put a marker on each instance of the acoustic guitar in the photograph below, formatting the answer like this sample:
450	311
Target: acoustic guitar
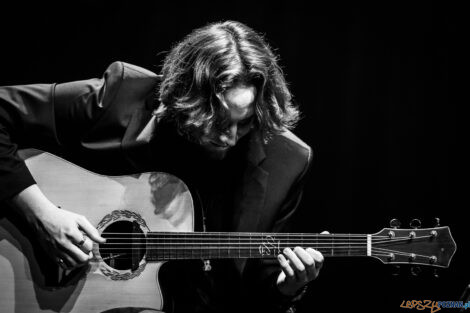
148	219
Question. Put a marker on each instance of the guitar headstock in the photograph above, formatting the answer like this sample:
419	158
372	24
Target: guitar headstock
427	246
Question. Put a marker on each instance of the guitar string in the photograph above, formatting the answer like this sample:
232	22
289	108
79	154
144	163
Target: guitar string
406	239
254	247
347	248
248	237
255	242
241	234
343	251
374	253
401	252
236	238
246	255
245	242
285	234
169	258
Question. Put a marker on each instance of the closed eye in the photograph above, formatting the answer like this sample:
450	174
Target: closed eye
246	121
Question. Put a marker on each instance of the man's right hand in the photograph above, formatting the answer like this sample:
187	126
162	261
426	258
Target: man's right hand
67	237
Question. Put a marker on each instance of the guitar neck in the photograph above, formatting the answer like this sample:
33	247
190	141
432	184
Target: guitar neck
211	245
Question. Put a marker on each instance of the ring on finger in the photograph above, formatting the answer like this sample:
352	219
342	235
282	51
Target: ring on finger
80	244
61	263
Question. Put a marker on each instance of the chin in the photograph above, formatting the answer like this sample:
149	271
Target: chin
216	154
213	153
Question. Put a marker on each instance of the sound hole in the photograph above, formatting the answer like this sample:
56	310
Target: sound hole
125	245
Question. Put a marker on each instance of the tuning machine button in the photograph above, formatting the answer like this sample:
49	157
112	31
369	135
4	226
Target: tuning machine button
436	273
395	223
396	270
415	223
437	222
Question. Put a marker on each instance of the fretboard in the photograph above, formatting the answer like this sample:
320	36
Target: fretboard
210	245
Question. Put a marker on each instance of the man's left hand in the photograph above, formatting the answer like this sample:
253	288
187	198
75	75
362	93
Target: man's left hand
299	267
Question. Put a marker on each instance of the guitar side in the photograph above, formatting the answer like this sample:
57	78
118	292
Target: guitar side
30	283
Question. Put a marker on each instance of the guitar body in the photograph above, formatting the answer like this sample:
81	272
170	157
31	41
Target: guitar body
151	201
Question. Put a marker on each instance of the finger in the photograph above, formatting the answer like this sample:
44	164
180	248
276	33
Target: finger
307	259
87	245
75	252
288	271
65	261
91	231
325	232
317	257
308	262
296	264
79	239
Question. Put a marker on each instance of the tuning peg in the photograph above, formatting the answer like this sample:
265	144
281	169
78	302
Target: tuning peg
415	223
415	270
395	223
395	270
437	222
436	273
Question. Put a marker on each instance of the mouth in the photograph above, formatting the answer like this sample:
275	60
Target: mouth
219	145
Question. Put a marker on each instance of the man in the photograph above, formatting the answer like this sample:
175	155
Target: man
220	121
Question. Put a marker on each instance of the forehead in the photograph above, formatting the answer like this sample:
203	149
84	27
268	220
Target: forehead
239	101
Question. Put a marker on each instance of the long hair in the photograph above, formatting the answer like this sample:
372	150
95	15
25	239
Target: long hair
212	59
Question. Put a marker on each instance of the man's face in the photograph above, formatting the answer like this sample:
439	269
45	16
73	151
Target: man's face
238	104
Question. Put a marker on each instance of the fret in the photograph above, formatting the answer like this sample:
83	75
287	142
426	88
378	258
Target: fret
239	252
349	244
165	252
332	245
250	246
201	252
218	248
192	252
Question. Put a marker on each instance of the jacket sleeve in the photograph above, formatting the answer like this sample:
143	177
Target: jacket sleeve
261	274
26	117
49	117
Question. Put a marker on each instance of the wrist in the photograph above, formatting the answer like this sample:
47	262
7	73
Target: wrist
32	202
294	293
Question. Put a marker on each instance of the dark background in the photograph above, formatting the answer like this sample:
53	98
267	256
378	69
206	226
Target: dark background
374	84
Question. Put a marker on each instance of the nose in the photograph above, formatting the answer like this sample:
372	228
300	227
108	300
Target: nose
230	135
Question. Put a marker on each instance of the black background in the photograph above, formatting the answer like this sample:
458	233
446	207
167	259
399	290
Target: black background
373	82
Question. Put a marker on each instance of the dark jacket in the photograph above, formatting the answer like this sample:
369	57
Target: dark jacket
106	125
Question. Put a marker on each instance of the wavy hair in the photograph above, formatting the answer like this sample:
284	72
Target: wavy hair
212	59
